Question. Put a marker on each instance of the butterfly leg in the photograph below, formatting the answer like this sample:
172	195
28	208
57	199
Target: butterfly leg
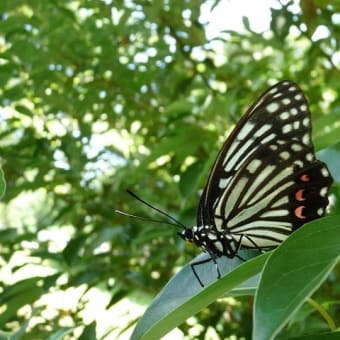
253	243
238	247
211	258
217	267
240	258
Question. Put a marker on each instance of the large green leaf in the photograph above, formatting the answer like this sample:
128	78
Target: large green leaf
322	336
293	272
183	296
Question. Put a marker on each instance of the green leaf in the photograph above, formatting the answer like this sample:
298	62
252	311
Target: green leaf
2	183
322	336
19	300
18	288
180	144
15	335
190	178
183	296
60	333
71	251
293	272
331	157
179	108
89	332
326	130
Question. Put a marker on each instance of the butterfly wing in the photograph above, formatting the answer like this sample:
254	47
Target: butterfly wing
266	181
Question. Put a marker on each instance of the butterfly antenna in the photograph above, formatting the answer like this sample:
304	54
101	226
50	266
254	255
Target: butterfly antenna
144	218
176	222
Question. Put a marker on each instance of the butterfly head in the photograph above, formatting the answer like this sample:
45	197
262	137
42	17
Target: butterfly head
187	235
196	235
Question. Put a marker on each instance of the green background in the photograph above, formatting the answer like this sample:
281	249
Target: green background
100	96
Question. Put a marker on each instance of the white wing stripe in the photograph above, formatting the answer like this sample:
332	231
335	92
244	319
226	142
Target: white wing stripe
234	161
273	213
281	201
265	173
254	209
262	130
231	200
272	224
269	185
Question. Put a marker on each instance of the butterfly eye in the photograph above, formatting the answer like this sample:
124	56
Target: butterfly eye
188	235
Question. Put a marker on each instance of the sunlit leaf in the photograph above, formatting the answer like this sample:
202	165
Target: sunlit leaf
183	296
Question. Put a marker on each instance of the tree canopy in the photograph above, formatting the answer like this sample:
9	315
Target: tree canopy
102	96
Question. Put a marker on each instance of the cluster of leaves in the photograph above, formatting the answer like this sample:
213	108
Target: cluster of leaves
99	96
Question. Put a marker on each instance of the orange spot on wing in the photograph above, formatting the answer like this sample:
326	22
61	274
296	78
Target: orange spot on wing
299	195
298	212
304	178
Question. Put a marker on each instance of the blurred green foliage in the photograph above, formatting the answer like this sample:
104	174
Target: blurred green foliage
99	96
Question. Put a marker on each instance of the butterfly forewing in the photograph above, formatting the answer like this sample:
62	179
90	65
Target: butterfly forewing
266	181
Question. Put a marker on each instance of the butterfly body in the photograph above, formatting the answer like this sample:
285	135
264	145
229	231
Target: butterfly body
216	243
266	181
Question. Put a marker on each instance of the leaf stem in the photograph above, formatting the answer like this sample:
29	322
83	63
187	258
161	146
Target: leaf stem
323	313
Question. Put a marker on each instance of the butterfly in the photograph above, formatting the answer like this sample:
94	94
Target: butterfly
265	183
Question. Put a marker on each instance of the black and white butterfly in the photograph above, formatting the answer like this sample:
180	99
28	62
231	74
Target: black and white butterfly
266	181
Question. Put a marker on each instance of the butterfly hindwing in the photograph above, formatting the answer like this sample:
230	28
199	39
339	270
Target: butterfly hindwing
270	197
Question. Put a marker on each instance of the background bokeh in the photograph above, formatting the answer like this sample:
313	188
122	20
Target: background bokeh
99	96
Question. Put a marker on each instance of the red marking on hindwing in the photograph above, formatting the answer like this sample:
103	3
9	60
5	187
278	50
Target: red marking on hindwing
305	178
298	212
299	195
